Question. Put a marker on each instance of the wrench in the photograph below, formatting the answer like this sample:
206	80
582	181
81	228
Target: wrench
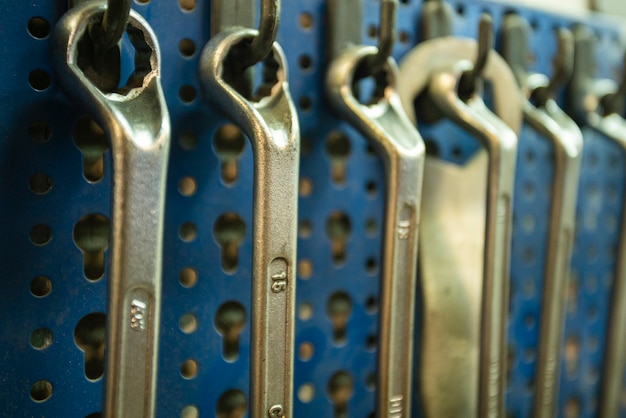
446	389
273	129
387	127
137	122
588	100
565	136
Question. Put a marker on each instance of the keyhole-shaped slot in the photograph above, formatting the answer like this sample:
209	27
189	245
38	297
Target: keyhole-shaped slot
229	230
338	150
338	229
228	143
230	321
340	390
91	236
90	139
89	336
338	309
232	404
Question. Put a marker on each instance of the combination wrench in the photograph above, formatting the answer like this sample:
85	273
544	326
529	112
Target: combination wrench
136	120
271	124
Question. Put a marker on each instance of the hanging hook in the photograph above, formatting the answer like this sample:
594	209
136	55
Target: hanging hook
563	67
387	36
614	102
268	28
467	85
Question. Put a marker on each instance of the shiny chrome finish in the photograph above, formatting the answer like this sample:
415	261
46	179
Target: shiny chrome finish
567	140
273	129
387	127
450	383
137	122
588	97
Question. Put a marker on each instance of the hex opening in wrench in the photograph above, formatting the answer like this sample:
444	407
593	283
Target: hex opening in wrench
272	126
385	124
443	62
136	120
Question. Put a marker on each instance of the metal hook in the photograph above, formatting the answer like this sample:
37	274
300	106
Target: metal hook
485	45
268	28
564	60
387	35
614	102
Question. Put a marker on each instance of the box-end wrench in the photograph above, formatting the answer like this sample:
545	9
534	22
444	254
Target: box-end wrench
434	70
543	114
137	122
595	104
272	126
387	127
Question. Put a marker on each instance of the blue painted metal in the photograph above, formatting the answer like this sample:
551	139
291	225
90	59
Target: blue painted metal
302	33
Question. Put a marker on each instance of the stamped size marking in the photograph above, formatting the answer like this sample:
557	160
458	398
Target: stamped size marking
395	407
276	411
279	282
138	315
404	229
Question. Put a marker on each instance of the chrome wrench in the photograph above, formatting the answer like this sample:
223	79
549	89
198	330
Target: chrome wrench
273	129
565	136
387	127
137	122
595	103
442	63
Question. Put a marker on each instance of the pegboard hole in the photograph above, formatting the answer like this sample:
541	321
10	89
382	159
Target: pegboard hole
40	132
340	390
230	320
229	143
305	62
190	411
305	229
528	223
371	227
371	304
38	27
142	2
306	392
338	229
305	311
404	37
572	408
91	236
189	369
188	323
232	404
90	139
187	48
370	383
187	140
305	269
339	309
229	231
188	277
95	415
89	336
305	20
40	183
371	188
41	338
306	351
371	265
39	79
188	232
338	150
41	391
305	103
187	94
372	31
572	354
40	286
370	342
40	234
305	187
187	5
187	186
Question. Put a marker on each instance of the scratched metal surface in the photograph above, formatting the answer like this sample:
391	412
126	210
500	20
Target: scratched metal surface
341	184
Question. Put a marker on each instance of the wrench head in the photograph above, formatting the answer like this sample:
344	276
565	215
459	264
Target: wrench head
75	59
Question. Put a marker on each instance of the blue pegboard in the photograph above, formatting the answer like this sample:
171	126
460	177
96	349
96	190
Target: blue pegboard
341	181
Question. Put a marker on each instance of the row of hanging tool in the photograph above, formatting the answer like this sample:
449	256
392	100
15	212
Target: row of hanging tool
459	204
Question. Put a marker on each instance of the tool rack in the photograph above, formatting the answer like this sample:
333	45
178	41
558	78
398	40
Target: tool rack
55	187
